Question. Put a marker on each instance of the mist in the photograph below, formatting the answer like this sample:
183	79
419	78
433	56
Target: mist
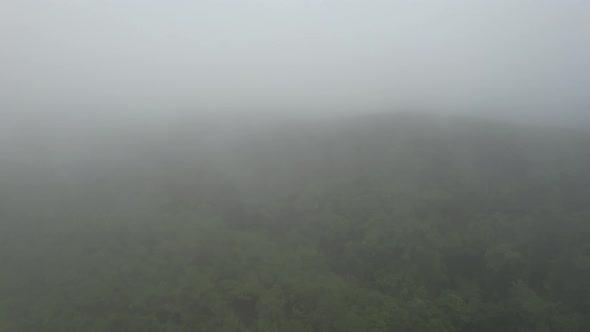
139	59
294	165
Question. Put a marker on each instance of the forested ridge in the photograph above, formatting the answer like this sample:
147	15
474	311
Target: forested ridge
404	222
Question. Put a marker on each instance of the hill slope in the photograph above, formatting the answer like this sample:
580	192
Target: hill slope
378	223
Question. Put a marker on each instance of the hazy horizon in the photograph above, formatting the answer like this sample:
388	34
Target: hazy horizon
138	59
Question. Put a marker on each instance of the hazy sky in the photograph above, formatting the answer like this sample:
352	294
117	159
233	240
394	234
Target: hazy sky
293	55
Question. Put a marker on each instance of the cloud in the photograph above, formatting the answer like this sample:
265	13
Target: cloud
330	55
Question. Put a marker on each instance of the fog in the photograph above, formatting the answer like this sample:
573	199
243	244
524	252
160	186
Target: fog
294	165
83	81
106	60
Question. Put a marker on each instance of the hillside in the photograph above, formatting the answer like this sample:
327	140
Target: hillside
404	222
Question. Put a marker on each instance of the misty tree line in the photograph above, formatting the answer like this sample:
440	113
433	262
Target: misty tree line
381	224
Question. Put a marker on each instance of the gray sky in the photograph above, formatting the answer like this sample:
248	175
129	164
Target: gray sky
149	56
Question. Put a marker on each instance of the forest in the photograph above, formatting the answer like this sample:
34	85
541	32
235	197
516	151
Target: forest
387	222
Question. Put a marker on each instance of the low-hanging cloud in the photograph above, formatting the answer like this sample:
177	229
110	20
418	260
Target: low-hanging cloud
210	56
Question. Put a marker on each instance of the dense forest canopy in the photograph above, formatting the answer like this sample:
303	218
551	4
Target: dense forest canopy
404	222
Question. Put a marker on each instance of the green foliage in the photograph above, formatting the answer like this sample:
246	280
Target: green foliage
421	225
